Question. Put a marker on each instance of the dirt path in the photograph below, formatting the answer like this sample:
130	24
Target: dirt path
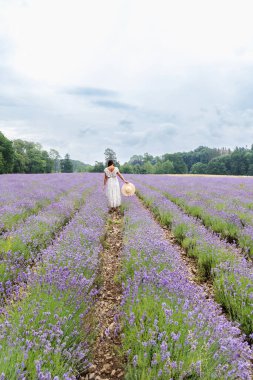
107	362
190	263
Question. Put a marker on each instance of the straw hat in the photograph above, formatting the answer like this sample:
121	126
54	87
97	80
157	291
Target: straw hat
128	189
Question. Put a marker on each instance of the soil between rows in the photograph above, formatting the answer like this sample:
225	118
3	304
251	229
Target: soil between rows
107	361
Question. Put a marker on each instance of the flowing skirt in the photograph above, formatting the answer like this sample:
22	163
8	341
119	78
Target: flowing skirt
113	192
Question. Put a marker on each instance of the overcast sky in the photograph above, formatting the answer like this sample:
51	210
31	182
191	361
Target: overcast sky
134	75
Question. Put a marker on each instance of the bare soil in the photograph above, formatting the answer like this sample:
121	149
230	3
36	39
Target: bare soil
107	361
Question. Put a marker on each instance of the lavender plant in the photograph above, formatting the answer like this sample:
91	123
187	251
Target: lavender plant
21	196
216	259
222	204
171	330
43	335
20	248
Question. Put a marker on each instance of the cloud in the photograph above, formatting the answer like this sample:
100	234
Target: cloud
115	78
126	125
114	105
7	102
87	131
91	92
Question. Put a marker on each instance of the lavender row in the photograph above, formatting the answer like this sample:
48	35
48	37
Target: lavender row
220	194
231	274
171	330
224	205
23	195
43	335
20	248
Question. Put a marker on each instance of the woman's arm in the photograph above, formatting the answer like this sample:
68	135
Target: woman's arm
105	180
120	175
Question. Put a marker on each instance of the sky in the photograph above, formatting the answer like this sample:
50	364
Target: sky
136	76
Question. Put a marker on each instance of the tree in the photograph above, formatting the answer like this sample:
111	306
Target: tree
136	160
20	157
168	167
199	168
179	164
80	167
250	169
1	163
7	154
19	165
158	168
55	156
98	167
126	168
138	169
216	166
202	154
110	155
148	158
239	163
30	158
66	164
48	163
36	162
148	167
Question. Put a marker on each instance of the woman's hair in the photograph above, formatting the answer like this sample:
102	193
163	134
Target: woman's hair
110	162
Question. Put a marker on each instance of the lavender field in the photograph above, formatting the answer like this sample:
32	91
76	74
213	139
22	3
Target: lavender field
171	274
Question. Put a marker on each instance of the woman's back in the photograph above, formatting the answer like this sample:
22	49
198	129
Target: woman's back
112	185
111	172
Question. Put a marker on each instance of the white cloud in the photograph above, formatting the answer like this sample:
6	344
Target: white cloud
135	75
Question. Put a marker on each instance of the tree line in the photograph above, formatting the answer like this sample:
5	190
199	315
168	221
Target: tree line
19	156
202	160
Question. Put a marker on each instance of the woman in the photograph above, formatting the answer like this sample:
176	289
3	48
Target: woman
113	189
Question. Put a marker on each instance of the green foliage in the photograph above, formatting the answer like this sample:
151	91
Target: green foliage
217	166
110	155
6	154
226	285
202	160
28	157
55	157
148	167
66	165
80	167
246	243
180	232
126	168
199	168
98	167
137	160
1	163
19	156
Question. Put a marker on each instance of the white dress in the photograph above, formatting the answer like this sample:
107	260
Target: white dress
113	188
